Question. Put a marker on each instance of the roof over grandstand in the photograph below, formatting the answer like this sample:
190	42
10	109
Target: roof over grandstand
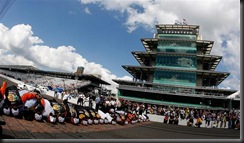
34	70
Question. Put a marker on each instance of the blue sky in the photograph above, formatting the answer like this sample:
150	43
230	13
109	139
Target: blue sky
101	35
65	23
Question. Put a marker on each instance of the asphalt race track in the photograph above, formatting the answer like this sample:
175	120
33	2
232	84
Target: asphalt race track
21	129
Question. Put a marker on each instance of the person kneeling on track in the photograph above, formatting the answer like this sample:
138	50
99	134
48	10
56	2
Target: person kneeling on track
94	116
83	117
12	103
30	101
2	93
71	114
38	111
47	113
121	117
59	109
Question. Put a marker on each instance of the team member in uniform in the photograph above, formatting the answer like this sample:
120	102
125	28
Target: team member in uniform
2	93
12	103
47	114
30	103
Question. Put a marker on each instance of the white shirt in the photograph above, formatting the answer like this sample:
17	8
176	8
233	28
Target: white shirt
112	102
47	109
30	103
66	96
22	92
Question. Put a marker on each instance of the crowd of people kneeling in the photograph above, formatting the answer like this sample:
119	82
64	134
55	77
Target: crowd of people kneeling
31	105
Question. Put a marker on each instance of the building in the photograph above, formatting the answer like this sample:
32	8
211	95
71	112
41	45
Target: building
177	69
80	70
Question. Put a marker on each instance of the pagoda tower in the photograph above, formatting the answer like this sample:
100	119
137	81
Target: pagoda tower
177	69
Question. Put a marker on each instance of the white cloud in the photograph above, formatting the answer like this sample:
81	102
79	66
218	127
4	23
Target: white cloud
219	22
231	82
87	10
124	78
18	46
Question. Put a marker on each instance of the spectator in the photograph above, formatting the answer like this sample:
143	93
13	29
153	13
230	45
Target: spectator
93	102
190	121
218	119
90	102
182	114
166	118
199	122
214	123
66	96
171	119
187	111
223	120
55	94
112	103
80	99
97	100
237	124
234	118
176	120
25	87
230	120
208	119
118	105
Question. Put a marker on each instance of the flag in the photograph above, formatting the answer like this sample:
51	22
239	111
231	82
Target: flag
185	22
177	22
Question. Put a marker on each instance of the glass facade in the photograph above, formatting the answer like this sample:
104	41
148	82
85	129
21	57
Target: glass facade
179	43
177	36
183	47
176	61
175	77
185	44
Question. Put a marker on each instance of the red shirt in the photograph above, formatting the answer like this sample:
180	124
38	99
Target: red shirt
3	88
28	96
